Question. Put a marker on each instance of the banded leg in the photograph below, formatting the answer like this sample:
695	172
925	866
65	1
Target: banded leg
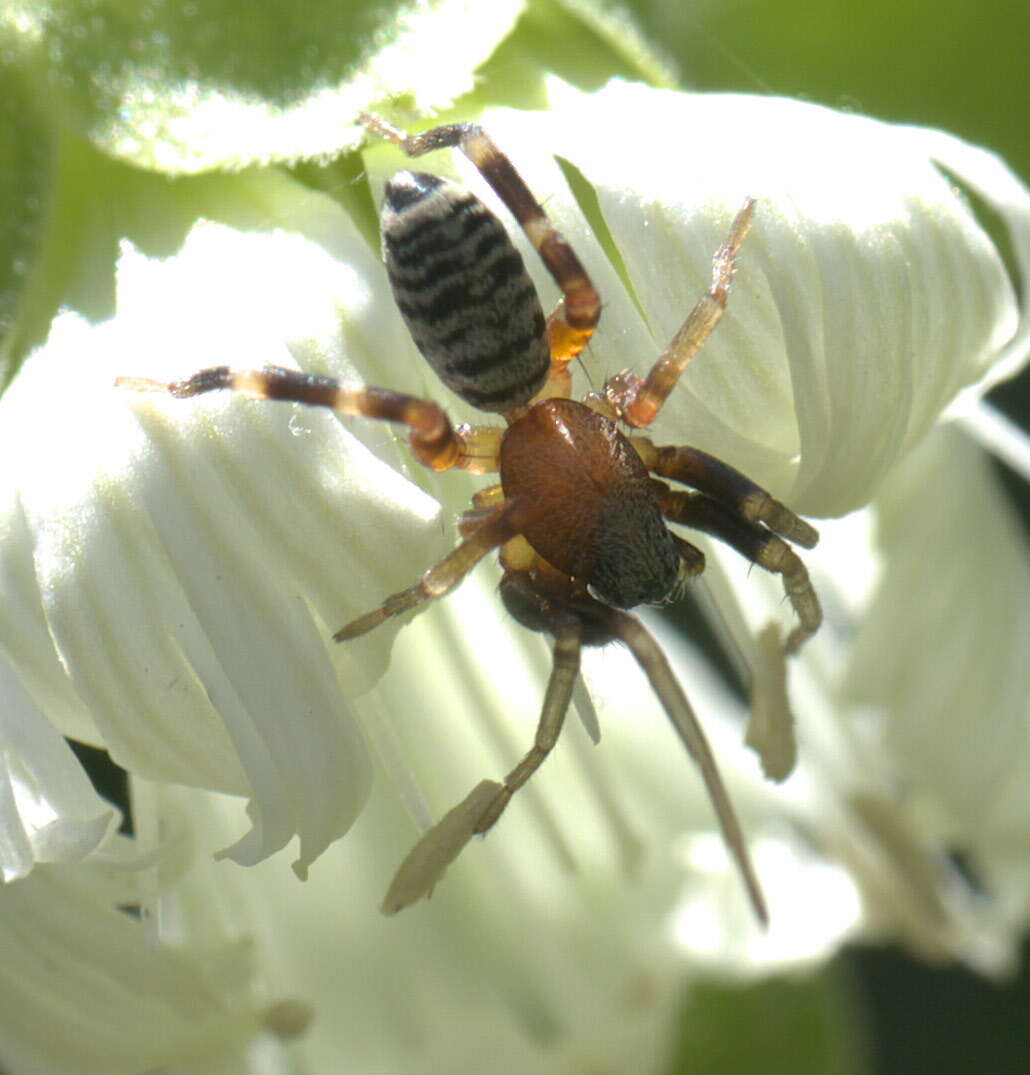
573	321
728	486
755	542
434	441
638	400
497	527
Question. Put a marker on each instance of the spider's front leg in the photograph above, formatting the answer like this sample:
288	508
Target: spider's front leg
637	400
426	863
553	604
728	486
758	544
492	528
622	627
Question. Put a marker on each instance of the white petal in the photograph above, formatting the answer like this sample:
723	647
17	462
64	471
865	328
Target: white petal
990	178
190	560
49	811
867	296
941	650
83	992
496	949
813	905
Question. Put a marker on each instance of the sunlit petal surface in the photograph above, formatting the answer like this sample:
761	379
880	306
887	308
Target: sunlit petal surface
119	1004
191	640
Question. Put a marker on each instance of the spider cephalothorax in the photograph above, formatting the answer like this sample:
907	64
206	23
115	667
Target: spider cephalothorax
557	454
580	512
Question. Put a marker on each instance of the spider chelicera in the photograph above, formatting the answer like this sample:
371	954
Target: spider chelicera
580	512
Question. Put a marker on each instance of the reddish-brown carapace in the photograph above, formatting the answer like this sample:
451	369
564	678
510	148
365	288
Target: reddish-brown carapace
581	510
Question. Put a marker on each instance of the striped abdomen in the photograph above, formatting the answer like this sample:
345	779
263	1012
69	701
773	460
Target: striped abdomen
464	292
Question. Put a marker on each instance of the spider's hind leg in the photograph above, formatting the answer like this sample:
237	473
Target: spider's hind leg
575	318
434	441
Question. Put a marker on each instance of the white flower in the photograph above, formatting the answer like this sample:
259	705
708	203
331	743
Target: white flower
85	989
179	567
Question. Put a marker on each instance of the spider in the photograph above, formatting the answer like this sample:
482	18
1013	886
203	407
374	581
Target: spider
580	512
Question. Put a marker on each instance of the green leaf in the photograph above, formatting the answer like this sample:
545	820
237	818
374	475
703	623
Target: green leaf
80	206
780	1026
181	87
26	174
583	42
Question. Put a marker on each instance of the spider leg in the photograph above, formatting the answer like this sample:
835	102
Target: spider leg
654	664
729	487
638	400
693	558
574	319
434	441
754	541
543	604
565	668
440	845
494	528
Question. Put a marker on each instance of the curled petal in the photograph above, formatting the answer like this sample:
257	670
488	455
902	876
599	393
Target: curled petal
71	959
49	811
941	650
185	564
867	295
